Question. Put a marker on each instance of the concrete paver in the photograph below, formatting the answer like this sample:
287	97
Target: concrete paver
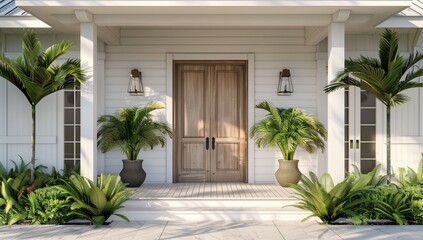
211	230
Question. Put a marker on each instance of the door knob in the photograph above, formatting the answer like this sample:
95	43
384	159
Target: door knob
351	144
207	143
357	144
213	143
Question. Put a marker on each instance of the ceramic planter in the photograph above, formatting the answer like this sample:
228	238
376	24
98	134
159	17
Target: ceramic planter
288	172
132	173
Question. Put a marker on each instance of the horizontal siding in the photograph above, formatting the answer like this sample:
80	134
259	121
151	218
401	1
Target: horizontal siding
406	119
274	50
146	50
210	49
15	112
136	32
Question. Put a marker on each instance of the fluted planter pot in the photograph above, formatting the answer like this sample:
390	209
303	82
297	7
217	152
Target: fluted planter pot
288	172
132	173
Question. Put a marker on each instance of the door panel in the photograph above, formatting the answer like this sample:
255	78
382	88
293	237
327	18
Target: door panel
228	128
193	128
360	129
193	102
210	104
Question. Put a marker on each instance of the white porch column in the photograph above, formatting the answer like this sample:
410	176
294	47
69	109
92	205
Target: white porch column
335	113
88	43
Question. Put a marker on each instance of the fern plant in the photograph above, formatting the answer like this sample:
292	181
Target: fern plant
48	205
395	206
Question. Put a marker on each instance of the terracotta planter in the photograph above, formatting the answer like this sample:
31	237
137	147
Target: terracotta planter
132	173
288	172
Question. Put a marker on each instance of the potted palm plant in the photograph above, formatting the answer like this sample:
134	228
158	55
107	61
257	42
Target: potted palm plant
288	129
131	130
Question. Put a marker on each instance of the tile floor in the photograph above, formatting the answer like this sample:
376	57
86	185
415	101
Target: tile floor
227	230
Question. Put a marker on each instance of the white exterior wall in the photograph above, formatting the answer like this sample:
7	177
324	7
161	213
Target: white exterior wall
15	115
274	50
406	120
146	50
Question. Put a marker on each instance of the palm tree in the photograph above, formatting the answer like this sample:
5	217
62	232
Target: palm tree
36	75
385	78
131	130
287	129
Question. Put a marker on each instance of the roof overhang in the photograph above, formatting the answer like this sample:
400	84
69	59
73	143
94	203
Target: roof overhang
109	15
21	22
210	13
403	22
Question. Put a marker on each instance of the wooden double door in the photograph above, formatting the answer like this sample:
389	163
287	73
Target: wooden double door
210	121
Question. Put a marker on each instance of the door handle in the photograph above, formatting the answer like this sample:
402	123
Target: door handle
213	143
351	144
207	143
357	144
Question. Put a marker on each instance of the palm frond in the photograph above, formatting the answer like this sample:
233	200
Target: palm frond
388	49
55	51
131	130
287	129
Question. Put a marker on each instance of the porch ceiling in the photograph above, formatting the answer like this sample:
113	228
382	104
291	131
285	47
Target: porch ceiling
365	15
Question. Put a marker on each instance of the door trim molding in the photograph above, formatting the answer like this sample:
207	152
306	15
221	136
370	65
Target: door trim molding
250	58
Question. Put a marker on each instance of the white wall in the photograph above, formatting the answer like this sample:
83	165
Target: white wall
146	50
274	50
406	120
15	115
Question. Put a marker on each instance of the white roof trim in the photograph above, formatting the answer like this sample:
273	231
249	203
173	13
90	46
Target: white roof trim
21	22
402	22
202	3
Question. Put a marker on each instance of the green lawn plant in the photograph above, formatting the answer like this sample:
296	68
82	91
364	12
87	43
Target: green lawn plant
328	201
36	74
386	77
96	203
288	129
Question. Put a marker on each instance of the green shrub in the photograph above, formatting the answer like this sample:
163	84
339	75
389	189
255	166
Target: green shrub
48	205
329	202
57	177
410	177
96	203
395	206
417	210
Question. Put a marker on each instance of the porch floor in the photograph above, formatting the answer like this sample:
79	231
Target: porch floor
212	191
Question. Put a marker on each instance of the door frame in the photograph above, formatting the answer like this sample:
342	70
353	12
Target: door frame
249	58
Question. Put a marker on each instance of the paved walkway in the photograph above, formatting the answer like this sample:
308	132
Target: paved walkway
238	230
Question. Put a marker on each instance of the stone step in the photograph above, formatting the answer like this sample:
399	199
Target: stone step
212	209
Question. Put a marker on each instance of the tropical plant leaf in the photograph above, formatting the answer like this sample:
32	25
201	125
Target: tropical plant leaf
98	199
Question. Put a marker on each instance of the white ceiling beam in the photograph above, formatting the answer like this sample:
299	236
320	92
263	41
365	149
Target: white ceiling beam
213	20
314	35
110	35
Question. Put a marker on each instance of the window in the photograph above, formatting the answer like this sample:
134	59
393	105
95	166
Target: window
72	127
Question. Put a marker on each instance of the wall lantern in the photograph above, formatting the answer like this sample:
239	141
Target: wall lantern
135	87
285	87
